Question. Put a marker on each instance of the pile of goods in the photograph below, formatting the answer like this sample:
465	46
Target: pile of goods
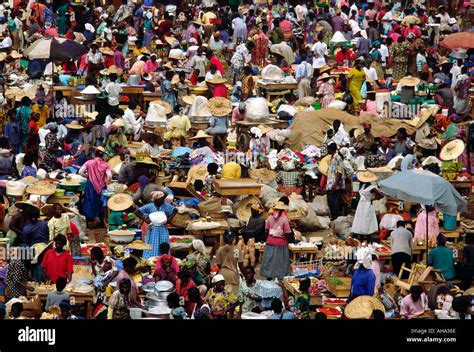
248	251
317	286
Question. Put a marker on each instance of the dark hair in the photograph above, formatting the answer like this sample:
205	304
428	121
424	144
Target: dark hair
129	263
173	300
169	75
184	274
276	305
29	159
416	290
332	147
194	294
18	306
60	238
61	283
32	213
212	168
164	248
198	185
25	101
97	253
400	223
125	282
132	104
461	305
285	200
305	284
377	314
320	316
182	74
113	77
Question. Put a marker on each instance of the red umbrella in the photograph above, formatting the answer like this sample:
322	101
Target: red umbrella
463	40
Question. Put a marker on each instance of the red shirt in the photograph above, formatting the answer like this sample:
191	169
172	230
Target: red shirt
277	229
215	61
108	60
220	90
34	126
57	264
340	56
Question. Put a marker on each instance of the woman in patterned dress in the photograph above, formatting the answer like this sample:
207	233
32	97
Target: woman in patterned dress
399	52
156	234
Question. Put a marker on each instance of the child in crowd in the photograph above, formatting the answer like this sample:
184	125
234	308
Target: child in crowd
56	297
177	311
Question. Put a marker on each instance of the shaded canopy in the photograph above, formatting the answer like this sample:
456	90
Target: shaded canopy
463	40
51	48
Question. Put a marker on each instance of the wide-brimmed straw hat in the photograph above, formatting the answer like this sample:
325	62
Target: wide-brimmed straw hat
100	149
165	105
189	99
452	150
170	40
243	212
362	307
74	125
325	75
147	160
196	172
366	176
175	80
201	134
48	210
120	202
15	54
42	189
219	106
139	246
107	51
324	164
442	61
280	206
410	81
22	205
216	80
115	164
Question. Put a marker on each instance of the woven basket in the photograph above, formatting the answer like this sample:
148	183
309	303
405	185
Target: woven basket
181	220
263	176
243	212
15	188
42	189
210	206
362	307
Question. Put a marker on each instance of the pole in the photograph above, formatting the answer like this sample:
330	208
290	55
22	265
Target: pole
426	235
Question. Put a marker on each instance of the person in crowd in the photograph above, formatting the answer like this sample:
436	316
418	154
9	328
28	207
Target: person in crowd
441	258
58	262
401	241
415	304
56	297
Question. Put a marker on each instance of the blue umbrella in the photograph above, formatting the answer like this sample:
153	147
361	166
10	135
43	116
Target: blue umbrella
424	187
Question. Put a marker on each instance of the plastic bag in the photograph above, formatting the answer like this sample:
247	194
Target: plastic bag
363	90
342	226
320	205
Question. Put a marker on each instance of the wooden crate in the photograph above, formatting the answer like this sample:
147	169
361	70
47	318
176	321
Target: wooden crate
340	291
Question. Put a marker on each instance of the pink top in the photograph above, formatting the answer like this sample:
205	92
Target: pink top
138	68
277	228
174	264
237	116
394	36
150	66
215	61
370	108
376	270
134	296
286	26
98	172
409	309
51	32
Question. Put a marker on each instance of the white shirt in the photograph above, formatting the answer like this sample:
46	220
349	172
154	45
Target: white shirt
131	122
108	121
301	12
455	71
7	42
370	74
354	26
210	76
113	92
385	53
320	50
62	131
387	25
304	70
42	134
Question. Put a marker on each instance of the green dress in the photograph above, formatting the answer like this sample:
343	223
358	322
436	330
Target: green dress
62	12
23	114
115	220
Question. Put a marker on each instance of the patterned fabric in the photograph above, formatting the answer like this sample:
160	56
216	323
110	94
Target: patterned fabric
219	302
289	178
49	157
156	234
302	306
335	168
119	304
244	292
16	273
261	47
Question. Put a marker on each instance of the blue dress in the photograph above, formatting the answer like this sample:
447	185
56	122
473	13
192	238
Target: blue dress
156	234
167	95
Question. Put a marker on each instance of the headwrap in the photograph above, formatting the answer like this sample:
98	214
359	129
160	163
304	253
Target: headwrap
364	258
199	246
112	128
166	258
218	278
52	126
157	195
99	310
189	263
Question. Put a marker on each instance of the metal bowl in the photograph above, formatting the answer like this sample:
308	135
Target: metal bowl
149	287
164	286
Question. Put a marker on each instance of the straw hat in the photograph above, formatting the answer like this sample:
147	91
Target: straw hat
264	129
452	150
169	65
362	307
381	172
147	160
280	206
22	205
469	292
409	81
257	208
425	115
197	172
106	51
92	115
201	134
175	80
29	180
3	56
139	245
120	202
217	80
219	106
115	164
42	189
324	164
189	99
159	42
100	149
119	123
324	76
442	61
165	105
276	50
325	69
47	210
170	40
114	69
263	176
366	176
15	54
74	125
243	212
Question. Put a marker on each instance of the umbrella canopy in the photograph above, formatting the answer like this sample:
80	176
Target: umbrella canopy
50	48
424	187
463	40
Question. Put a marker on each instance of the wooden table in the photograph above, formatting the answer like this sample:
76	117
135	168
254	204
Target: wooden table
237	187
81	298
313	301
276	90
67	90
217	232
309	252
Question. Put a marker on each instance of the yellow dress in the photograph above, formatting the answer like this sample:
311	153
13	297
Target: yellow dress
231	170
356	78
178	127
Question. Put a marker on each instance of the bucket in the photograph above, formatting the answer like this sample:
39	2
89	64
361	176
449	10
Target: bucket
449	222
317	105
135	313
